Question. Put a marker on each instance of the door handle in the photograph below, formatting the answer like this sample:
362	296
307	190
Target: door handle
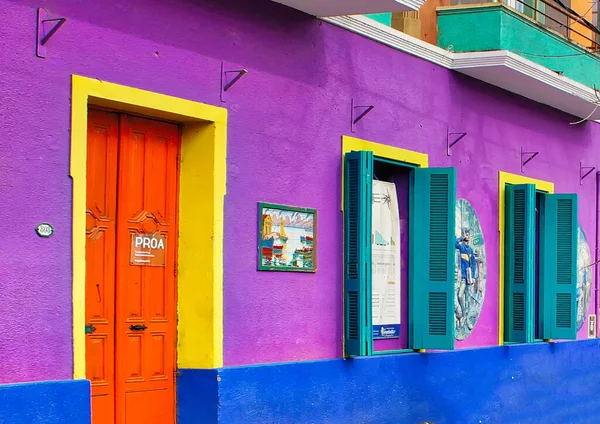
137	327
89	329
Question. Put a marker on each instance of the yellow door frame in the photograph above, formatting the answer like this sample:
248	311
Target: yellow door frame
202	191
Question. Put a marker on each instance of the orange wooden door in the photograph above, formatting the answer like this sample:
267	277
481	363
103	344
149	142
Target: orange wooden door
147	206
103	137
142	258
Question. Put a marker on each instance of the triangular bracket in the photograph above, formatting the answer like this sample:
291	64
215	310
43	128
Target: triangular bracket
46	28
584	171
529	155
455	136
357	114
229	78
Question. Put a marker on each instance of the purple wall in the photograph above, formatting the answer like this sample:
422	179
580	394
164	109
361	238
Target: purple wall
287	117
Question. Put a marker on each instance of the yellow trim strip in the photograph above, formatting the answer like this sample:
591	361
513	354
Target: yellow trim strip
503	179
200	280
352	144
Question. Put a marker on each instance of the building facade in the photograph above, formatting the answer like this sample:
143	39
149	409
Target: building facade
230	213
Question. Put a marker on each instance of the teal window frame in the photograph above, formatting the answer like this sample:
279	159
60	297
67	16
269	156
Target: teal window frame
432	200
411	167
556	263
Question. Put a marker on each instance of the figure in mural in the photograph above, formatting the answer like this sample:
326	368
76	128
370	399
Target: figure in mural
584	277
470	270
468	275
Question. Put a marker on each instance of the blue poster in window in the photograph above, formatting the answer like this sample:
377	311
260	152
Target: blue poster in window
386	331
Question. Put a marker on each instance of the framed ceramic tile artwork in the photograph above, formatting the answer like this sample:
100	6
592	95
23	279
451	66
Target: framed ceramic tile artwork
287	238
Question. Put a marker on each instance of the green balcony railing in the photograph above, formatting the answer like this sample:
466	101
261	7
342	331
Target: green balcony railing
553	15
550	35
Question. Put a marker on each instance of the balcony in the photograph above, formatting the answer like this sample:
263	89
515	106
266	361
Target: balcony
323	8
495	43
542	31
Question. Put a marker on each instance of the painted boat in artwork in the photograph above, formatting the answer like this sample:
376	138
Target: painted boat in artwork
267	252
278	250
308	240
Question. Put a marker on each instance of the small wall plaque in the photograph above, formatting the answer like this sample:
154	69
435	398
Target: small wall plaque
592	326
44	230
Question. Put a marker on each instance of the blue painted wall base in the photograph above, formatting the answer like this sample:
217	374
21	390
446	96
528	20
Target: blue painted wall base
197	396
48	402
536	383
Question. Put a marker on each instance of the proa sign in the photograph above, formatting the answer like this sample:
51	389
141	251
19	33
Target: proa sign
148	250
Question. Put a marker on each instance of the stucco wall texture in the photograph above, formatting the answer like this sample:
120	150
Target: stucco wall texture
286	119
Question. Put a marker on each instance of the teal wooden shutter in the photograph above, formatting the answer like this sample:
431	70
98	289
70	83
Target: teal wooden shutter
358	193
519	263
431	258
558	266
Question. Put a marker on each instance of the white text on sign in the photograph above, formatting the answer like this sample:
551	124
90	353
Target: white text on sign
148	250
149	242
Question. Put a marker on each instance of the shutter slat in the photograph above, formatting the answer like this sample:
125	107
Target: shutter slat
438	318
519	261
558	270
563	310
431	256
518	312
357	252
564	239
438	227
519	237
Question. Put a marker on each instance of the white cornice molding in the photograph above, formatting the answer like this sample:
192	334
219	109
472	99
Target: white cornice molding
464	62
321	8
383	34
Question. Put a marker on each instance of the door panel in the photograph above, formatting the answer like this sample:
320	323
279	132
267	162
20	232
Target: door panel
146	407
101	204
132	189
147	193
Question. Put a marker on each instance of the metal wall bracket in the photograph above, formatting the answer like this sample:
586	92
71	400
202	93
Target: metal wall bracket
456	136
46	28
356	116
584	171
529	159
229	78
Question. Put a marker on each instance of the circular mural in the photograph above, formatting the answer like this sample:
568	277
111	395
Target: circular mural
584	277
470	269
